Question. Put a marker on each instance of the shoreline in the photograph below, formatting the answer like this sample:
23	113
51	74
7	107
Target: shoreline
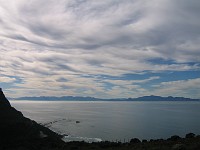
189	142
70	138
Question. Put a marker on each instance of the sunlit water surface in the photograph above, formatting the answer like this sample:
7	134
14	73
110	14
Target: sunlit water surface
96	121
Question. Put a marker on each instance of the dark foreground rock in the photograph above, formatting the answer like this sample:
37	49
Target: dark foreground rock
20	133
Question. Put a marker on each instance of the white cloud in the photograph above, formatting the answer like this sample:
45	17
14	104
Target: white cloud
7	79
185	88
50	39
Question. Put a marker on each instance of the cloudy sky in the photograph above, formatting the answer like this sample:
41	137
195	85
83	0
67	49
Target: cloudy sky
100	48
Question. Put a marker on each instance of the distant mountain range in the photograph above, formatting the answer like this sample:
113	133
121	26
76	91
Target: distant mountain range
78	98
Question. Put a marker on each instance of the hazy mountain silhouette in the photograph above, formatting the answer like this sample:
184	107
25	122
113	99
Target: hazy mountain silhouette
78	98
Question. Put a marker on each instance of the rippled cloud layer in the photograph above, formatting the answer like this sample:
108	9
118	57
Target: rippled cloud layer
112	48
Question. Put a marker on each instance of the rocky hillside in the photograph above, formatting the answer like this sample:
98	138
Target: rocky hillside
18	132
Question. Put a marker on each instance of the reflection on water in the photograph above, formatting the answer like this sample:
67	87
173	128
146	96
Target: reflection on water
115	120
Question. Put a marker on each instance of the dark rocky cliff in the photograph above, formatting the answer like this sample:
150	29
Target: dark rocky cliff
17	131
3	101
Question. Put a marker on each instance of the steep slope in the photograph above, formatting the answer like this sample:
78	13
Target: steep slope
16	131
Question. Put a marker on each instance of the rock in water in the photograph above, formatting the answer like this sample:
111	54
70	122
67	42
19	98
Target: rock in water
17	131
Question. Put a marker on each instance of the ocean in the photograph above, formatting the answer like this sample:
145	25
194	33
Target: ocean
114	121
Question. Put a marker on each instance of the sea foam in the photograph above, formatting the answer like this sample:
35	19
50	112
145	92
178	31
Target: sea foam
70	138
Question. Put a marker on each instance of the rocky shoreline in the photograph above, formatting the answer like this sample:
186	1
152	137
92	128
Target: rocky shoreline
20	133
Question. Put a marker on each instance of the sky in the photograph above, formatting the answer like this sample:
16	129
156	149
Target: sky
104	49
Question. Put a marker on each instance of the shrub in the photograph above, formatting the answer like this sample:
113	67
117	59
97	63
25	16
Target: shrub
190	135
135	141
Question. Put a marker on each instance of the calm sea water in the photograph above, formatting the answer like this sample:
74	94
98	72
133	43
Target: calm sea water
114	120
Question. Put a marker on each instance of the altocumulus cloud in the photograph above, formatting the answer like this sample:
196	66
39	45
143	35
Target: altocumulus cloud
112	48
